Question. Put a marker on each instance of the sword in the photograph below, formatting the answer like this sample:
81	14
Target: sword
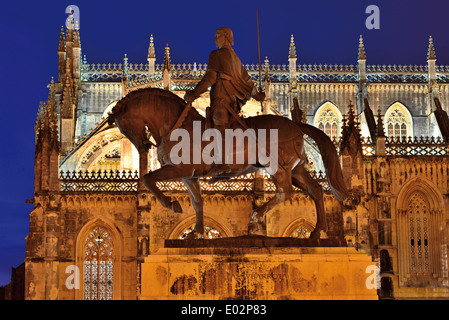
258	51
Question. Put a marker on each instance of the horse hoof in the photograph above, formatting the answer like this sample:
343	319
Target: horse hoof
256	229
194	235
190	236
318	234
176	207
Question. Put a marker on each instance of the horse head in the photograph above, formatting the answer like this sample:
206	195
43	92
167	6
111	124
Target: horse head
131	127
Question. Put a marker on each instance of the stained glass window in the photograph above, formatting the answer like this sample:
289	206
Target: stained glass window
208	230
301	232
397	123
418	211
327	119
98	265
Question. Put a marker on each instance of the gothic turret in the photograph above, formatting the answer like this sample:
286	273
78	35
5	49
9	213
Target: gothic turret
68	110
46	165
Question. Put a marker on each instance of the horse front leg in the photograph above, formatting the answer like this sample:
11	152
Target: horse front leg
163	174
194	190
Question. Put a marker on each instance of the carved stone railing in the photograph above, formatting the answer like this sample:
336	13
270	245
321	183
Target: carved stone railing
318	176
417	146
99	181
326	73
127	181
105	72
240	184
276	72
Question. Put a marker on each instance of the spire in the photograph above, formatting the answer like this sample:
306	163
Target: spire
167	65
292	51
431	50
61	47
151	52
361	49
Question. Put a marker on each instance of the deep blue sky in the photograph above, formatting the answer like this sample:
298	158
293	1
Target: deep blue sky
325	31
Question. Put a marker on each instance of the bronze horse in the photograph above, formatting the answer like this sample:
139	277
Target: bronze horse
158	112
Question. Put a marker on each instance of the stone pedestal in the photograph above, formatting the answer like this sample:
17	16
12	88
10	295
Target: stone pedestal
234	269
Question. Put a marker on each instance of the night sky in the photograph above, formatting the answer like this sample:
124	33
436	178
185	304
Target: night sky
325	31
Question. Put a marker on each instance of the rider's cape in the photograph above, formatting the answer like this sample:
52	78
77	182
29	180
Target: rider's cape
227	64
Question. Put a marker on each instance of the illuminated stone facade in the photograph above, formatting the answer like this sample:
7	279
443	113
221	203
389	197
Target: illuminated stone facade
91	211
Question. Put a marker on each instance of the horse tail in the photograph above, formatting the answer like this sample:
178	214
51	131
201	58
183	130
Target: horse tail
330	160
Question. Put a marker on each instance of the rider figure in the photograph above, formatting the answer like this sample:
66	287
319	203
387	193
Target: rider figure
231	86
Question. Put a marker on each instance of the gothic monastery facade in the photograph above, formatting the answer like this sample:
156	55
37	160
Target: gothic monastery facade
91	210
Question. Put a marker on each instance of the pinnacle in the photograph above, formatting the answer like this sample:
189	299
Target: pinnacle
167	65
61	40
431	50
292	51
362	55
380	127
266	69
151	53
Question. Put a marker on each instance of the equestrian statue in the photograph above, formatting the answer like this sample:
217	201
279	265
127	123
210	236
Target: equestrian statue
163	114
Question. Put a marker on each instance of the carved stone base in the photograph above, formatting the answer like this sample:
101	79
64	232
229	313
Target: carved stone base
236	270
254	241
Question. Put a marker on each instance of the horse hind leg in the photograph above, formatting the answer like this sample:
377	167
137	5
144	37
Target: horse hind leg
194	190
302	179
164	173
284	191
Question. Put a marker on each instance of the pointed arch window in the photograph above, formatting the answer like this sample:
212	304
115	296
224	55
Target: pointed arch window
418	212
301	232
419	236
98	265
328	119
300	228
398	122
